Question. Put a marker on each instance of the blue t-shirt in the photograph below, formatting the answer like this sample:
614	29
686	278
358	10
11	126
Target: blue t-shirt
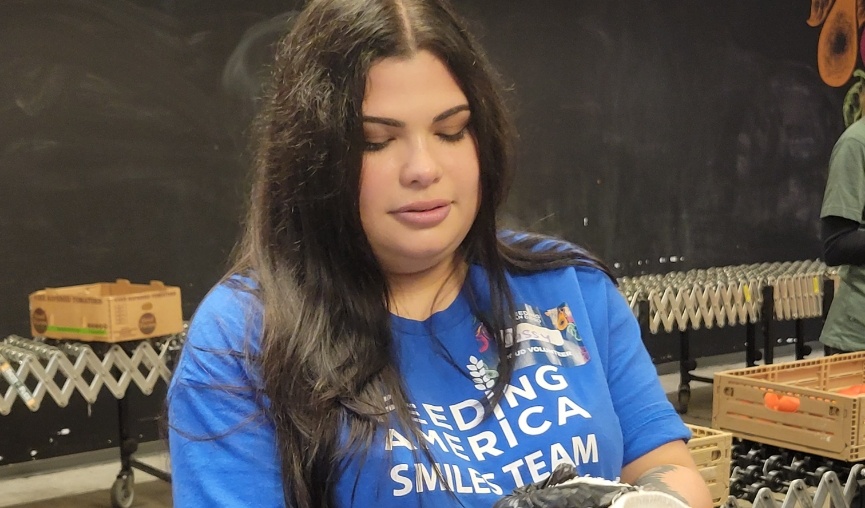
584	392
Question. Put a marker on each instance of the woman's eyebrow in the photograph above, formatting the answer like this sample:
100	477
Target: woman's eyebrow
450	112
385	121
397	123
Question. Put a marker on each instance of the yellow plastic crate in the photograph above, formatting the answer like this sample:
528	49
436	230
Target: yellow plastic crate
813	418
711	450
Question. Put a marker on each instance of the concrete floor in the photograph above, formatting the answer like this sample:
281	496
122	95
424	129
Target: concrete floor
87	486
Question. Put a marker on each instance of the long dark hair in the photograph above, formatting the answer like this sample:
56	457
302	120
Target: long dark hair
326	355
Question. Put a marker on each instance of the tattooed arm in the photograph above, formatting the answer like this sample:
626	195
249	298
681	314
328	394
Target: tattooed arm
670	469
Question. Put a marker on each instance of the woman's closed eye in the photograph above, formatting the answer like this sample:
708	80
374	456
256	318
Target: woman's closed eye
375	146
455	137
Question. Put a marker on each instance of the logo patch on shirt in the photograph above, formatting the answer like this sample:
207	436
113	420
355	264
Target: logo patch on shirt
549	338
540	337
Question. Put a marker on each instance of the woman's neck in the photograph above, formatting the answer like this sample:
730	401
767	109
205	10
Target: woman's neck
419	295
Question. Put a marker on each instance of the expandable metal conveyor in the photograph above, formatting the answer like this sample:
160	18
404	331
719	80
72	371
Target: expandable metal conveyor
34	368
748	295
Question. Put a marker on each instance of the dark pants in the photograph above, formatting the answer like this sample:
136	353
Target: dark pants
829	351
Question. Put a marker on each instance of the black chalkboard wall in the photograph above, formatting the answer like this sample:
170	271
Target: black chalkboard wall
662	134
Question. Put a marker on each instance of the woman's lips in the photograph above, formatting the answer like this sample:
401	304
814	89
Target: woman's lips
424	214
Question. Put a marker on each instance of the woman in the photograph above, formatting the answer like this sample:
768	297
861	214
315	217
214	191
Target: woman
379	342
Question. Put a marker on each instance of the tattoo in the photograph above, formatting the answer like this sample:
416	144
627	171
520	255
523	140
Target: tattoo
654	479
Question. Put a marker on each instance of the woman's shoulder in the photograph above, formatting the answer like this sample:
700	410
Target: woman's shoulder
535	242
233	291
586	277
227	315
551	256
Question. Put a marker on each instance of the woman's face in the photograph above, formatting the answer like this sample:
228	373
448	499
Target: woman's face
419	186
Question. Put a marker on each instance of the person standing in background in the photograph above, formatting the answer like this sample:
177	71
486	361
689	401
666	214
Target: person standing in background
842	217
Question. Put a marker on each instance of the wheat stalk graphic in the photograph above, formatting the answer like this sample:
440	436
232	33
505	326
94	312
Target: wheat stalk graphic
480	374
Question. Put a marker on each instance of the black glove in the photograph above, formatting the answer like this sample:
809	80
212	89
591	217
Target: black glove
564	489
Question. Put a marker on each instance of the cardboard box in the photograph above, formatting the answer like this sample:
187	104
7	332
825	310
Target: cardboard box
712	450
106	311
796	405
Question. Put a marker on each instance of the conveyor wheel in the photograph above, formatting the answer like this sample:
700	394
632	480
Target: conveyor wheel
123	490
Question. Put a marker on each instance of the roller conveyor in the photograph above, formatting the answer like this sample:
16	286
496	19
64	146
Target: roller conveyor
36	368
30	369
751	295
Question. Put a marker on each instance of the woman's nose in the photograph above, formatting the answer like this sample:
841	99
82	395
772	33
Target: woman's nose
421	166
